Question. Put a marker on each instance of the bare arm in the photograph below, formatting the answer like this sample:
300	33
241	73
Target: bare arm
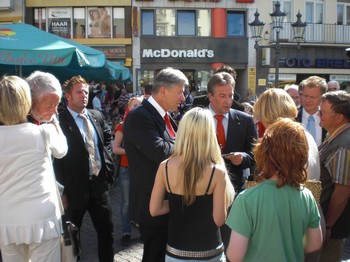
237	247
313	239
337	203
158	205
219	198
117	149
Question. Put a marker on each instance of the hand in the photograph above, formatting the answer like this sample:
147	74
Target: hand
54	119
235	158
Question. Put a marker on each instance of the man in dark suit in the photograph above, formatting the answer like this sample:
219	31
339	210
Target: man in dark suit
240	133
148	141
85	186
313	88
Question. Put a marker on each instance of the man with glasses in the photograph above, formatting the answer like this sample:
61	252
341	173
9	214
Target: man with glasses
335	169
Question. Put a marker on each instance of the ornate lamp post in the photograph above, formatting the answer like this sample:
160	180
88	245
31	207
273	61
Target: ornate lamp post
277	18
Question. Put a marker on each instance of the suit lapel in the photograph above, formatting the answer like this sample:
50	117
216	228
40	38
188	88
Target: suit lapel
71	126
158	117
233	129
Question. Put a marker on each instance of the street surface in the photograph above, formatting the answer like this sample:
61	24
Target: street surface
130	253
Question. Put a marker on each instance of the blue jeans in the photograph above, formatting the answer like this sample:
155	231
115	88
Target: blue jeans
124	184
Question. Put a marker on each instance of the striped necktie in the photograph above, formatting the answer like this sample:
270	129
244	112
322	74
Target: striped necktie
90	146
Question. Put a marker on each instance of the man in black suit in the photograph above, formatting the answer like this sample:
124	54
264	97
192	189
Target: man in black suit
313	88
86	187
148	141
240	133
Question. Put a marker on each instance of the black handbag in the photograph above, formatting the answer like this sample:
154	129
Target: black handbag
71	236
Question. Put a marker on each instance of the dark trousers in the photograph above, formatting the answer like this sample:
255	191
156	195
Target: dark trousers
154	239
101	217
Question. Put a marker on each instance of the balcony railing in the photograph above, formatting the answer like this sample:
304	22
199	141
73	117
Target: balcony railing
317	33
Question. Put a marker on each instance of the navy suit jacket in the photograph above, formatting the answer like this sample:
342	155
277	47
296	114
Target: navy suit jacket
241	135
147	143
72	171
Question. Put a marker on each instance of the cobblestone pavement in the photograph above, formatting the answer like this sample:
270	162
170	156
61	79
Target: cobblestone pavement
130	253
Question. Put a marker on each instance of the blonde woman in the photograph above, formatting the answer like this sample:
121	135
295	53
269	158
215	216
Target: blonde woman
194	188
30	218
275	103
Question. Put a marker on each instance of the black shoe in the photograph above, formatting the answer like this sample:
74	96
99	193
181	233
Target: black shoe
125	240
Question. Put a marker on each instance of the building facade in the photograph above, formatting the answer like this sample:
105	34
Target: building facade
193	36
102	24
197	36
327	35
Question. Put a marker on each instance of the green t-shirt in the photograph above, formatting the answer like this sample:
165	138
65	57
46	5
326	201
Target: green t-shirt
274	220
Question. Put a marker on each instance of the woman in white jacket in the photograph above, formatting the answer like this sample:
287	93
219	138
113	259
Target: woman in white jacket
30	217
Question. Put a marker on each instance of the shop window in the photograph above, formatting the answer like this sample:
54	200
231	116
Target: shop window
99	22
147	22
79	22
165	22
236	24
286	6
204	22
186	23
171	22
343	14
40	18
59	21
314	12
118	22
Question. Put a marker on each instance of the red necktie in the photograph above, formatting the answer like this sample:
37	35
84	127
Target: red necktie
220	132
169	126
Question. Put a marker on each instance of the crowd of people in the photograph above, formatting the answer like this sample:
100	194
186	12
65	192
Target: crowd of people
183	168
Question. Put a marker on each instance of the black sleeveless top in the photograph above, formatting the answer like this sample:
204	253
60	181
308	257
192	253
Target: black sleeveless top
192	228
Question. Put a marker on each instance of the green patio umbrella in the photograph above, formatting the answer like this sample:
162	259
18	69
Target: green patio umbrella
25	48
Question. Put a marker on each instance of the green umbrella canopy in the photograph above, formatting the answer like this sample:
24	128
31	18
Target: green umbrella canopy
25	48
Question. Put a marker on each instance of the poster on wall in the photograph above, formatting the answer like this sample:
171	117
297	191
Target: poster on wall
99	22
60	22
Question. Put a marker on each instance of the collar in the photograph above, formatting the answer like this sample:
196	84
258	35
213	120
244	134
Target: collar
214	114
338	131
155	104
76	114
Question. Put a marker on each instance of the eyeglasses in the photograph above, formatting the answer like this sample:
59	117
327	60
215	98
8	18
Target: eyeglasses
332	89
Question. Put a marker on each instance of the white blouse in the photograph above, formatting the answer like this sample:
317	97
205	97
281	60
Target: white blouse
29	209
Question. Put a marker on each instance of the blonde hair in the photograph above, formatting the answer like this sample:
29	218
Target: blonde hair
283	152
15	100
68	85
274	103
197	146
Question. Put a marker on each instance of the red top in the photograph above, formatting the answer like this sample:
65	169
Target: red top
123	159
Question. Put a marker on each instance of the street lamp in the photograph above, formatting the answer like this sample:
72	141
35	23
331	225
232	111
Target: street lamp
277	17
